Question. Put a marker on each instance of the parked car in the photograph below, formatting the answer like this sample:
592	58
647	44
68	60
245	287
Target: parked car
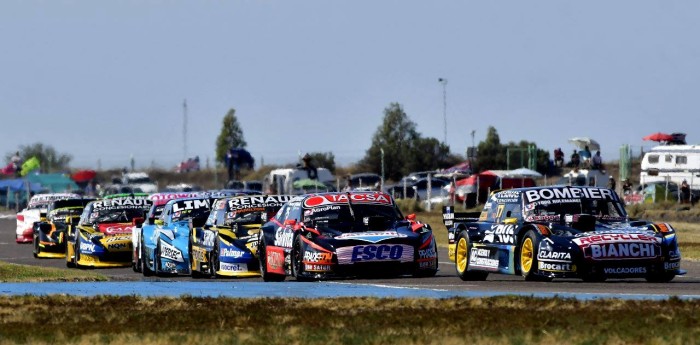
419	189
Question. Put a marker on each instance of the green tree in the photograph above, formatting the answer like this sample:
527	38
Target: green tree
50	160
492	155
323	160
396	135
231	136
430	154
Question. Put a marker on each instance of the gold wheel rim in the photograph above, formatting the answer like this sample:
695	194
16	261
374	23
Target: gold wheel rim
526	254
462	255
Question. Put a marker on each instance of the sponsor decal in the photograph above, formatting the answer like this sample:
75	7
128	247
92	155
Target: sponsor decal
274	260
428	264
227	267
500	233
373	253
260	201
112	239
568	194
625	270
116	246
121	203
318	257
451	236
116	229
170	252
198	254
481	257
370	198
556	266
616	237
169	265
231	253
180	206
87	247
317	268
611	251
546	254
427	253
208	238
672	266
371	236
284	237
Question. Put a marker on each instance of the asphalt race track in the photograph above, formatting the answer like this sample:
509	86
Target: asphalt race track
445	281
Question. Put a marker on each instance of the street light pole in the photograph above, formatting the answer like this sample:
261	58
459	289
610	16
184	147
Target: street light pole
443	81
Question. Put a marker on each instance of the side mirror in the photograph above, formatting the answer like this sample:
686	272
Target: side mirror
159	222
137	221
290	222
411	217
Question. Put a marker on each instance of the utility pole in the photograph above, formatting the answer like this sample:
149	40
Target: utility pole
443	81
184	130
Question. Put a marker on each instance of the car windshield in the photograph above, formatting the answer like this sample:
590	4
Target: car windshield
198	214
245	217
355	218
115	215
68	211
140	180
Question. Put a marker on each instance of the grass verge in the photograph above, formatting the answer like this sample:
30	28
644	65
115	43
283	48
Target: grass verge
25	273
497	320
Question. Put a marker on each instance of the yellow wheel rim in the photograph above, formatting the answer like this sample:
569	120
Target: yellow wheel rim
526	255
461	258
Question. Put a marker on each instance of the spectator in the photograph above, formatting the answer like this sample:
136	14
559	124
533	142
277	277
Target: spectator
16	162
626	186
575	159
685	192
611	183
597	161
558	157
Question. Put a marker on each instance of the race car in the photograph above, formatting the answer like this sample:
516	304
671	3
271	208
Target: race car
327	235
542	233
158	204
48	238
227	244
103	235
36	212
165	241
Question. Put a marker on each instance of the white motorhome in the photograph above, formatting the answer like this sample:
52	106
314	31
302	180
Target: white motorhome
281	181
139	180
673	163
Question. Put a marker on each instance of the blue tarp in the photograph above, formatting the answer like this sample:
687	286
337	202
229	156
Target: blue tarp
19	185
54	182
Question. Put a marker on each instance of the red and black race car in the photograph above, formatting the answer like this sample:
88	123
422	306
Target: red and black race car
320	236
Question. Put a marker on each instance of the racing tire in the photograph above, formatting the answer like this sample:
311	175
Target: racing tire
76	252
69	260
214	259
662	277
462	260
35	245
298	260
262	258
145	270
156	260
527	254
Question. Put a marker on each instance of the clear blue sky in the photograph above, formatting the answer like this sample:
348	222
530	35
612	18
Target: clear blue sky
106	79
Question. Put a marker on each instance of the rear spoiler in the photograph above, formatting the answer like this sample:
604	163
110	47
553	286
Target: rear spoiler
449	216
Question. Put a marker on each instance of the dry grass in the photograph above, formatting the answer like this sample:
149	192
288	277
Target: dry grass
26	273
498	320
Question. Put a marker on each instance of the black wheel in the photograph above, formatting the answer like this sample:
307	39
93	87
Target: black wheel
262	257
298	260
145	270
462	260
35	244
214	258
76	254
528	257
660	277
156	259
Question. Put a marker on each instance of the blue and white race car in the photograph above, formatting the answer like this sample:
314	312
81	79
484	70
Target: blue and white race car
164	241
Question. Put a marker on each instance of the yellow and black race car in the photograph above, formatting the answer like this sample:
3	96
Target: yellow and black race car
102	237
49	235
